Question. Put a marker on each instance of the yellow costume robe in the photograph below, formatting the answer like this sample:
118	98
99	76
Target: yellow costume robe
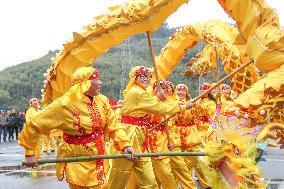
178	165
158	143
137	104
85	123
203	111
30	112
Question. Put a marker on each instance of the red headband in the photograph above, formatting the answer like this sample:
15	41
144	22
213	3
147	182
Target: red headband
170	84
161	82
95	75
225	87
34	100
204	86
142	70
182	88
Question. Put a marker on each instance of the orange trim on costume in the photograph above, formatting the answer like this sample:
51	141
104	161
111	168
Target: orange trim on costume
97	130
139	121
191	123
202	118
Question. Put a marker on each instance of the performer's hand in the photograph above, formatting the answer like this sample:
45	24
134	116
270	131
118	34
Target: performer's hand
171	146
30	161
218	94
181	103
161	95
189	104
130	150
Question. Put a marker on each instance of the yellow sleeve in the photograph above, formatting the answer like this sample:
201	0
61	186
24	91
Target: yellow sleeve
42	122
149	104
115	129
210	108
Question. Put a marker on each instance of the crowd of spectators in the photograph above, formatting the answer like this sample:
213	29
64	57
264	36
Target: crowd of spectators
11	124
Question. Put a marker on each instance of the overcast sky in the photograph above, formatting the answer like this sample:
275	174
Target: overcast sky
30	28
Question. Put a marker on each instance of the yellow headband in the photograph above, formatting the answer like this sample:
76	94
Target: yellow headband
82	74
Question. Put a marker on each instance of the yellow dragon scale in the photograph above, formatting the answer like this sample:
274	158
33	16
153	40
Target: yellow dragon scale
108	31
215	33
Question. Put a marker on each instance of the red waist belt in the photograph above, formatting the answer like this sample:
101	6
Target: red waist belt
202	118
140	121
191	123
160	128
83	139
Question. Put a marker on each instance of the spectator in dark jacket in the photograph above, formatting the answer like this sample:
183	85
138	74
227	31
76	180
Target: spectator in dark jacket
3	126
13	124
21	120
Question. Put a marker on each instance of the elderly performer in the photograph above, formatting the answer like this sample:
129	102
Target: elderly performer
86	118
137	105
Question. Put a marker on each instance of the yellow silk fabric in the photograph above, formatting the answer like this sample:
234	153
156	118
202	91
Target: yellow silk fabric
181	172
190	133
163	173
71	114
30	112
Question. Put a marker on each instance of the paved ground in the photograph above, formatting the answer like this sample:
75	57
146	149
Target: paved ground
12	176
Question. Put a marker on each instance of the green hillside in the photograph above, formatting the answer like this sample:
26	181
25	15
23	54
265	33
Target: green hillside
21	82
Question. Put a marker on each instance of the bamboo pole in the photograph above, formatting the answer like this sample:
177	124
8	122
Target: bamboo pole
208	90
116	156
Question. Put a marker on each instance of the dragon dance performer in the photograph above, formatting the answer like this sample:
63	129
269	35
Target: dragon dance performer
158	143
189	139
86	118
228	96
178	164
205	111
48	143
33	109
137	104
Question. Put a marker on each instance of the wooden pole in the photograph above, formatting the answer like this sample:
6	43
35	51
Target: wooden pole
217	72
209	90
157	77
153	61
117	106
116	156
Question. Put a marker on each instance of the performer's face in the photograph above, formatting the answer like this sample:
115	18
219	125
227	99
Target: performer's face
163	89
35	104
95	87
215	90
169	91
143	80
181	93
226	91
